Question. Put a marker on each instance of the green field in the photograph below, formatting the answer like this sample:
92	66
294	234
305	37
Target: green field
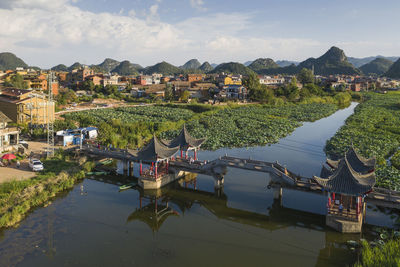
374	129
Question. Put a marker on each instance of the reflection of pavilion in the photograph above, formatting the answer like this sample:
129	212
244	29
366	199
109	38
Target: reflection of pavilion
185	195
153	214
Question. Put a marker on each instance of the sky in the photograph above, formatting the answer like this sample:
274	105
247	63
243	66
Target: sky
45	33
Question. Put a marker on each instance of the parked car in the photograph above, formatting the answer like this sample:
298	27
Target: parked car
36	165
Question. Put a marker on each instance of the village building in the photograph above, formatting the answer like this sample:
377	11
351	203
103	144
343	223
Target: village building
26	106
9	136
156	78
110	80
194	77
272	80
236	92
96	79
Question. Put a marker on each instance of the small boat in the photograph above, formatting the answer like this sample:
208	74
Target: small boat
352	243
105	162
127	186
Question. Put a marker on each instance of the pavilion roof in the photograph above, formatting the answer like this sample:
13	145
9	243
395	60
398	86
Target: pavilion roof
184	139
154	151
357	162
346	180
326	172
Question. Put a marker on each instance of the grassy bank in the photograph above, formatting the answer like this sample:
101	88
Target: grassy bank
387	254
374	129
17	198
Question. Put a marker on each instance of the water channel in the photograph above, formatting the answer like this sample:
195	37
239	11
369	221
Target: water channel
242	225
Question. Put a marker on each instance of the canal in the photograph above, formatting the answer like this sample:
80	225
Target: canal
191	223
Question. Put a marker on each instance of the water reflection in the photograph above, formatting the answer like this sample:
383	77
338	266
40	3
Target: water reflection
191	222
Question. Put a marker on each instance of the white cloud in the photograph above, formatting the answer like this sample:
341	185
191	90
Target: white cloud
34	4
49	32
72	32
198	4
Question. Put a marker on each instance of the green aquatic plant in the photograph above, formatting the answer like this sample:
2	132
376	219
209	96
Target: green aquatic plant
374	129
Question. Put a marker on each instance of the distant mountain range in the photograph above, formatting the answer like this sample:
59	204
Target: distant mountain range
164	68
378	66
285	63
262	64
394	71
232	68
358	62
109	64
334	61
9	61
206	67
192	64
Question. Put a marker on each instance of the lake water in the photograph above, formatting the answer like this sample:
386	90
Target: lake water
193	224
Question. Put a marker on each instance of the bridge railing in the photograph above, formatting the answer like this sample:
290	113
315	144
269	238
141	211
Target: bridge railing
386	191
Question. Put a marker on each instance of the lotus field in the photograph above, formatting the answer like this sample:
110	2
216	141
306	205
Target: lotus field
224	126
154	114
252	125
374	129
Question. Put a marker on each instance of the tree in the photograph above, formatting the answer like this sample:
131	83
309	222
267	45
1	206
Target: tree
168	92
66	96
88	86
291	91
305	76
372	87
185	96
263	94
252	82
17	81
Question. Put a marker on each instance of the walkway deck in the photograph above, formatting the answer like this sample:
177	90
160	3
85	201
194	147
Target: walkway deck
282	176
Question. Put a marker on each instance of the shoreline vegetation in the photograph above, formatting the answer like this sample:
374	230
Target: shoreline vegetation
374	129
230	125
18	198
385	254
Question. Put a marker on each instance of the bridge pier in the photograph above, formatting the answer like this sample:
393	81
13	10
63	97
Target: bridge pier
125	167
278	192
219	182
130	168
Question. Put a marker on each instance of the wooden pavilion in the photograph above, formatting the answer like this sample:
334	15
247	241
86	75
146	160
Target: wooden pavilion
157	154
346	191
185	142
357	162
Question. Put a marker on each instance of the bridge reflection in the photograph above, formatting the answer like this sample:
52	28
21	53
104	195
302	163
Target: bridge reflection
156	206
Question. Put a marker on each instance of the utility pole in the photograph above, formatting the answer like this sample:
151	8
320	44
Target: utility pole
50	114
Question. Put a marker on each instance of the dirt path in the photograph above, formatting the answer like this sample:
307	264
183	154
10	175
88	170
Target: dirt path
11	172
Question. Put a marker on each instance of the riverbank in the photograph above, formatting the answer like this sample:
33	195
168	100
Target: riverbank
374	130
18	197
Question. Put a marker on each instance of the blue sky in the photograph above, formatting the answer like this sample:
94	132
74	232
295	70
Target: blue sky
48	32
